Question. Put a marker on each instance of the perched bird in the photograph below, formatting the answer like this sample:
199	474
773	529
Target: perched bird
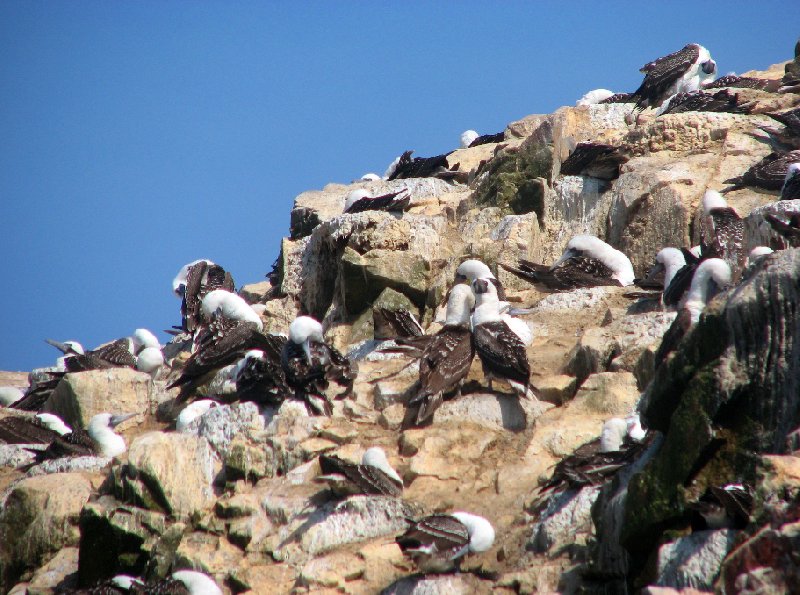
193	411
769	173
446	360
149	357
472	269
420	167
668	262
723	231
789	136
699	101
791	183
117	354
682	71
437	542
711	278
359	200
38	392
485	139
789	230
744	82
43	428
259	375
192	283
467	137
370	177
310	365
587	262
390	323
620	98
678	286
722	507
99	439
500	350
594	97
597	160
229	305
374	476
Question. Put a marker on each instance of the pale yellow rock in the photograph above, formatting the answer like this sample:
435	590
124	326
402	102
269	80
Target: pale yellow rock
612	394
207	553
183	467
82	395
333	570
556	389
53	573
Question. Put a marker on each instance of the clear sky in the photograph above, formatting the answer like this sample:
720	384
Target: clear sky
138	136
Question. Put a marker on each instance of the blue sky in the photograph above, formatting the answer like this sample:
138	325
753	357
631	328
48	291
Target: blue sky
138	136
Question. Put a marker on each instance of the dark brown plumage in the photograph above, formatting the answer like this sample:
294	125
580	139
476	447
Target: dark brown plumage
789	229
444	364
502	353
385	202
421	167
77	443
744	82
724	506
698	101
575	272
262	379
310	379
25	430
201	279
662	73
769	173
116	354
389	324
37	394
620	98
437	533
597	160
359	479
486	139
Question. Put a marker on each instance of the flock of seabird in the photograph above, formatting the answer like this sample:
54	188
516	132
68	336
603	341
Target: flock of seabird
227	343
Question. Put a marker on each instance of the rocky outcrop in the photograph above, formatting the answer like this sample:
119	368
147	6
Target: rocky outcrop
234	495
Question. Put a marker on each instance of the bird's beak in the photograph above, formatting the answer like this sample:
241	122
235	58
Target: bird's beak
709	66
118	419
655	270
566	256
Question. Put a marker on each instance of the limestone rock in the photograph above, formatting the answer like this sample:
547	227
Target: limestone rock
765	563
81	395
173	473
491	410
566	521
39	517
693	561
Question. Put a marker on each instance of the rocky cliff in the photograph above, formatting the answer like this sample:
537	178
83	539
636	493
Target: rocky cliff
233	495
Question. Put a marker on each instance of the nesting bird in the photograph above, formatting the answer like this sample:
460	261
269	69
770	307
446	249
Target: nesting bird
359	200
99	439
682	71
723	231
437	542
43	428
374	476
791	183
587	262
192	283
769	173
229	305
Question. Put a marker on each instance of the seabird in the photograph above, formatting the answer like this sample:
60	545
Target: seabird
389	324
724	507
682	71
676	268
587	262
10	395
117	354
421	167
149	357
594	97
374	476
790	135
193	411
99	439
259	375
437	542
789	230
597	160
41	429
310	364
757	253
182	582
711	278
620	98
370	177
744	82
467	137
197	583
219	344
38	392
499	348
486	139
769	173
446	360
200	278
723	231
230	306
472	269
791	183
699	101
359	200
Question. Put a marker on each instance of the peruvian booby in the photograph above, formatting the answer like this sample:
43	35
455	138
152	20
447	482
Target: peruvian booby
437	542
790	134
260	377
38	392
711	278
200	278
597	160
197	583
593	97
619	98
587	262
467	137
700	101
360	200
116	354
374	476
147	349
472	269
791	183
217	345
682	71
446	359
40	429
486	139
182	582
421	167
769	173
723	232
789	230
681	281
724	507
99	439
229	305
391	323
668	262
310	364
193	411
499	348
744	82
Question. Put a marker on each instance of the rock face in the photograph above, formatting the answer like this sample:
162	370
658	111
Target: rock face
234	494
